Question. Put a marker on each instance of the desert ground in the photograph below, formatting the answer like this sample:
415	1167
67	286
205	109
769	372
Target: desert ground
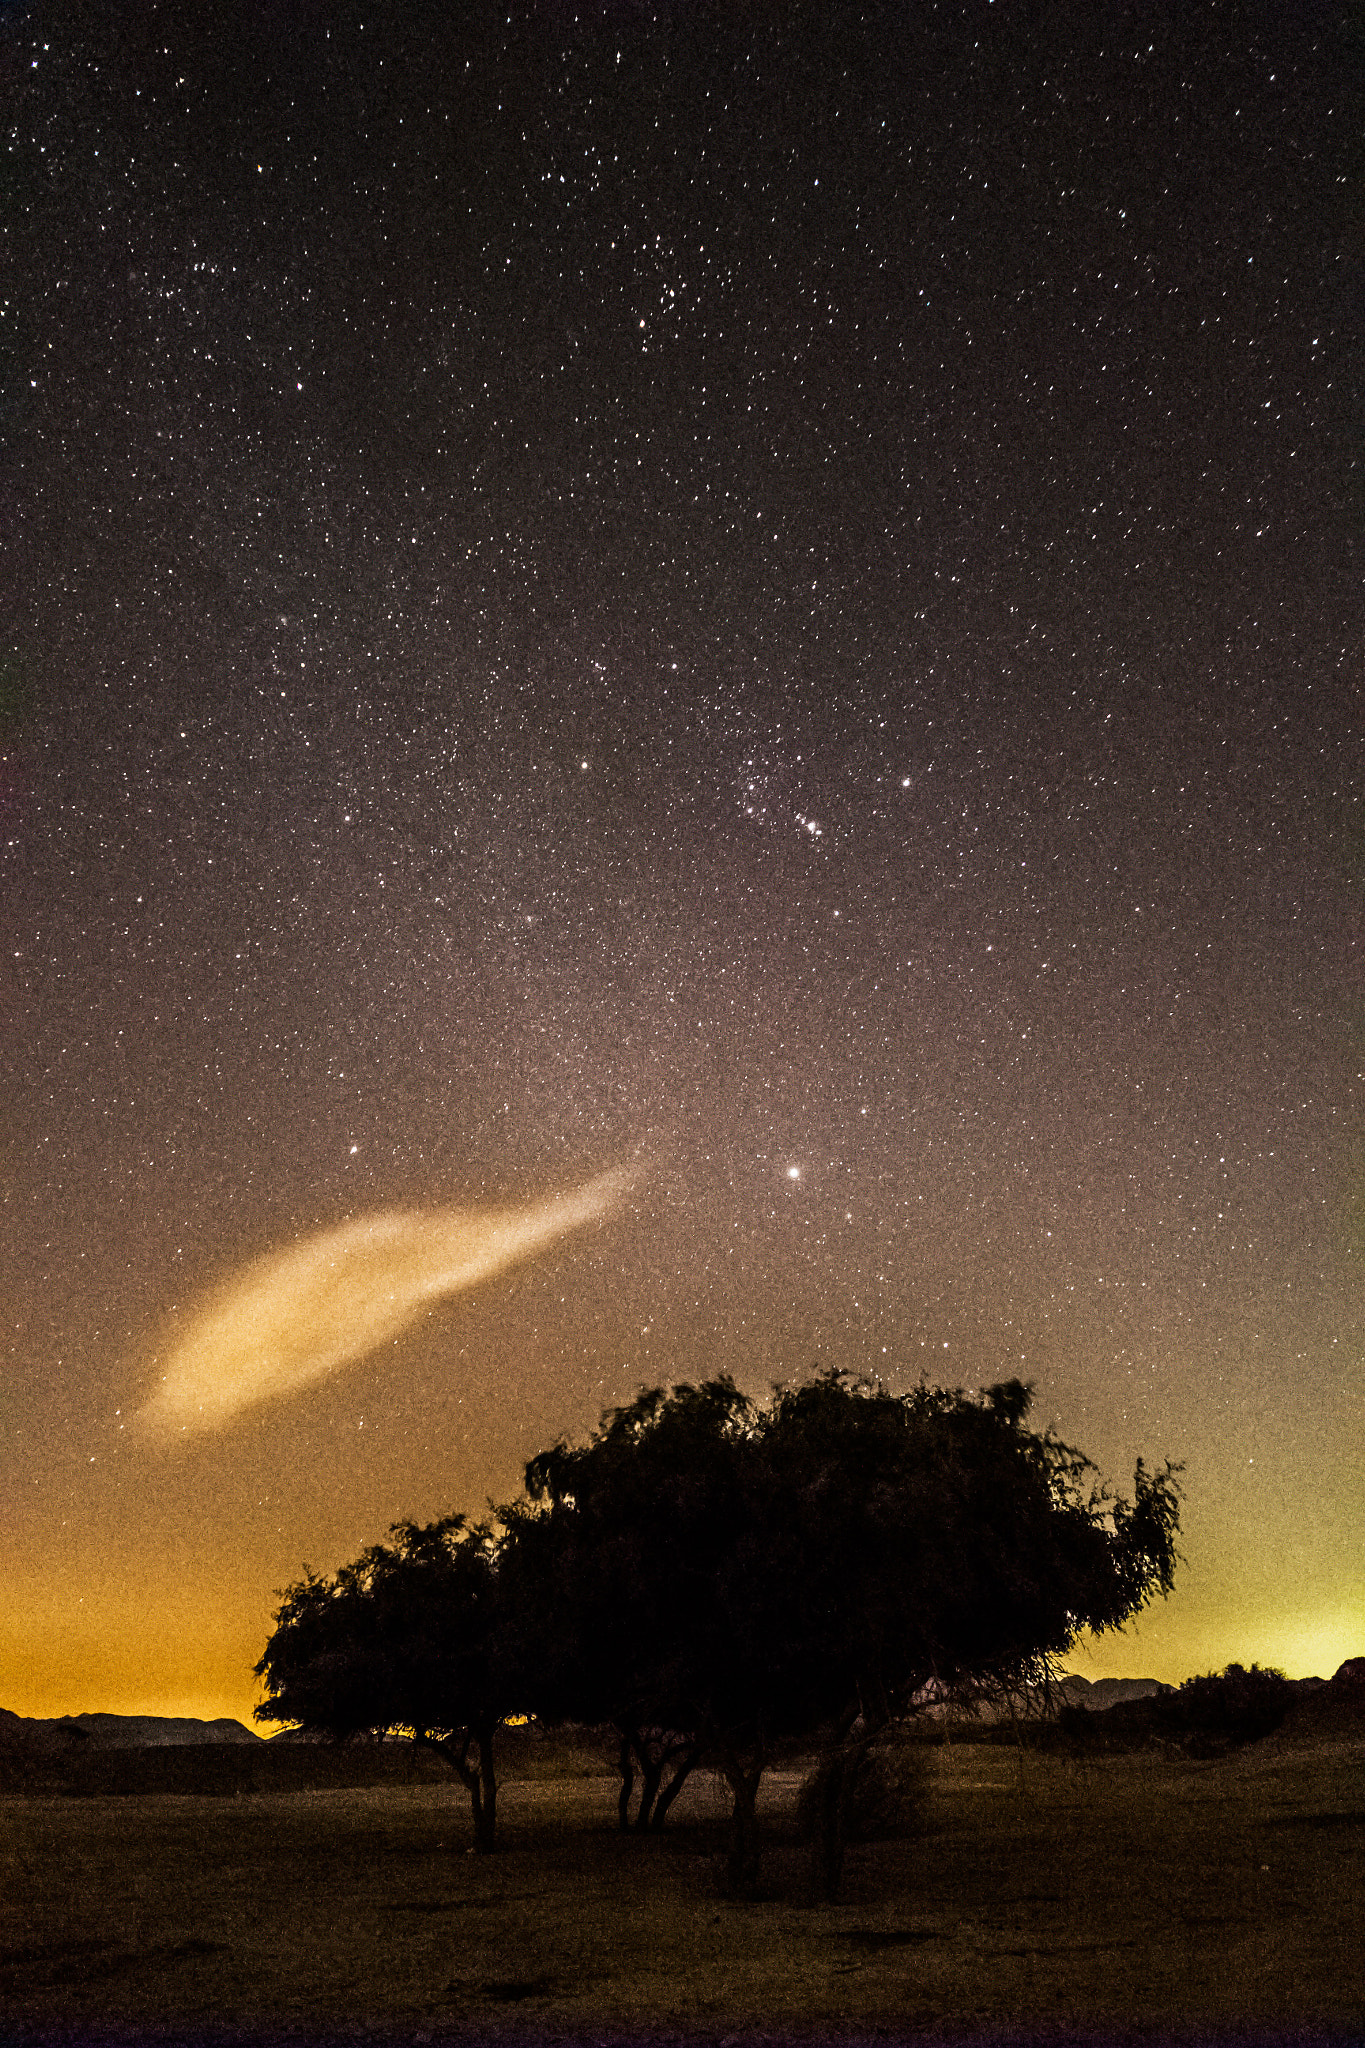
1045	1897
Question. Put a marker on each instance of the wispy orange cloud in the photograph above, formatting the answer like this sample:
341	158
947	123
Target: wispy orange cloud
292	1317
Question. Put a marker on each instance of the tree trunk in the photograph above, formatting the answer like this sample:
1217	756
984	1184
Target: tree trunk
651	1771
831	1822
486	1796
478	1780
671	1791
627	1781
653	1754
838	1779
742	1869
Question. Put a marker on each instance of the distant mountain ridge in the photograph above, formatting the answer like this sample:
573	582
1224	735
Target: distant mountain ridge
121	1731
88	1732
1095	1694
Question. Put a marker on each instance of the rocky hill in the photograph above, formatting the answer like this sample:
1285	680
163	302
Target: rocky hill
117	1731
1099	1694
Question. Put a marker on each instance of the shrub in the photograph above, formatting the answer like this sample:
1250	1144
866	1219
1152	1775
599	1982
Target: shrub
1224	1709
887	1801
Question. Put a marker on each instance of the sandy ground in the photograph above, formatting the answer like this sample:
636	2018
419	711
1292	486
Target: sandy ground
1047	1899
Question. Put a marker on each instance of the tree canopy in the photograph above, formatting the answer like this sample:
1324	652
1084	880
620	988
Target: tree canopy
748	1576
717	1578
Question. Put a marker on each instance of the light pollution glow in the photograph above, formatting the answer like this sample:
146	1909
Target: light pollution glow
292	1317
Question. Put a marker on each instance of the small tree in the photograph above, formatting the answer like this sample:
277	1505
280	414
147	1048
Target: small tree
409	1639
1222	1710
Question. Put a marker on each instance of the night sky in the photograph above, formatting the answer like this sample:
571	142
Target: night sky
760	600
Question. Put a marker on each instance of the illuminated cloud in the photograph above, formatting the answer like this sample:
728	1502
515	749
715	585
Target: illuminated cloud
292	1317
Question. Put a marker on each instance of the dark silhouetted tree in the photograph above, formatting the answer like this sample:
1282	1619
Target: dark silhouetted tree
747	1578
932	1535
411	1638
624	1554
718	1580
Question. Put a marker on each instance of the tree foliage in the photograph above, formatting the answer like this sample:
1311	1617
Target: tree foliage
411	1639
747	1577
718	1579
1223	1709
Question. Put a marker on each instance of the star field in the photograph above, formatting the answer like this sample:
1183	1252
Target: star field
771	595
